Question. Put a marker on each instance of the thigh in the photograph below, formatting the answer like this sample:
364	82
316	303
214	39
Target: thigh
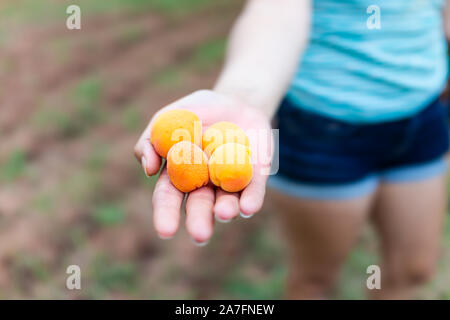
320	234
409	218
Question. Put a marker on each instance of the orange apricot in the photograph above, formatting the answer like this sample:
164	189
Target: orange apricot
221	133
174	126
187	166
230	167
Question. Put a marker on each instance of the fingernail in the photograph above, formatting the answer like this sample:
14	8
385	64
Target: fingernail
164	237
144	165
221	220
245	216
199	244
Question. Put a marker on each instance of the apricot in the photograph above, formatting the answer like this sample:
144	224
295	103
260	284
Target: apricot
221	133
174	126
230	167
187	166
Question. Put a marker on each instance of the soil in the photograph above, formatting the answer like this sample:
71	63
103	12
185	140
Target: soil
47	212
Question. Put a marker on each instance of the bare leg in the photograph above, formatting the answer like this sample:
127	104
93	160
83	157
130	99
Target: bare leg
320	235
409	218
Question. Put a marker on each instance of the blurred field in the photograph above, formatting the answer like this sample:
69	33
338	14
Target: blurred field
72	105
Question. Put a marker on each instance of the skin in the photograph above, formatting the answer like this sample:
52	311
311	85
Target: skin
211	107
407	216
244	94
264	50
320	235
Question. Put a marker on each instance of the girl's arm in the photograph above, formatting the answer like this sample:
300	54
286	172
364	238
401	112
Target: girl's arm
447	20
264	50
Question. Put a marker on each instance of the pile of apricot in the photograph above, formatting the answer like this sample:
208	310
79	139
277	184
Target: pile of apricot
220	154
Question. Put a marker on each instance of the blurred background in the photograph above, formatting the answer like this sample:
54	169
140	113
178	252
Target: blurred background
72	105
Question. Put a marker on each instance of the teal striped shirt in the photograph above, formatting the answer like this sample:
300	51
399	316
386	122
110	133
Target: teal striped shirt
362	75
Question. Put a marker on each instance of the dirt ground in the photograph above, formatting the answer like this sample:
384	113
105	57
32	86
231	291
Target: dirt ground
72	105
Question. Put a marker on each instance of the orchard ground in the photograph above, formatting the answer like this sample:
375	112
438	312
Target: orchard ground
73	103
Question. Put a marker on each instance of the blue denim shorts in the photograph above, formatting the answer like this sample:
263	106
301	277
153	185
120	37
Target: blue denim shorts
324	158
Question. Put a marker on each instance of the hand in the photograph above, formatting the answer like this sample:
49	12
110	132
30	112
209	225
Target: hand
203	203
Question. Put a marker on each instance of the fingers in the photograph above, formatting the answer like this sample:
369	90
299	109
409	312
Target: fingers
199	216
167	202
147	156
252	197
227	205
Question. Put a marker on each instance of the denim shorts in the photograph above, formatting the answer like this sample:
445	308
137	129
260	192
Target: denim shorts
325	158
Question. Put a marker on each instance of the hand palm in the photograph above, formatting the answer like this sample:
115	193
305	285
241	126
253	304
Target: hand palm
203	202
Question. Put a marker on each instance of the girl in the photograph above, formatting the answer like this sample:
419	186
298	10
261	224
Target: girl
362	135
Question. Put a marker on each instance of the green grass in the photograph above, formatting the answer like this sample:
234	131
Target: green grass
131	34
26	266
265	248
82	186
97	157
108	276
354	276
447	228
208	55
56	121
32	10
23	12
78	235
13	167
60	49
439	288
109	215
85	113
120	276
149	182
43	202
353	281
132	119
205	57
87	97
161	6
242	287
170	77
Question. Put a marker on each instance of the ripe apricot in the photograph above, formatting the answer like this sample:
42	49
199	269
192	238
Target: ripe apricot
221	133
187	166
174	126
230	167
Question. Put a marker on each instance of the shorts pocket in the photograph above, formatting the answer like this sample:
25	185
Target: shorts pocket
324	128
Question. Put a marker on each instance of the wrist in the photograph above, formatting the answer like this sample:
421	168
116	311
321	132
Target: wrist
252	96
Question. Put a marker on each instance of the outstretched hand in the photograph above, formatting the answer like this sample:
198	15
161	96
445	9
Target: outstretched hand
202	204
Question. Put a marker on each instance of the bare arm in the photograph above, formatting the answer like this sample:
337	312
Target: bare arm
447	20
264	50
